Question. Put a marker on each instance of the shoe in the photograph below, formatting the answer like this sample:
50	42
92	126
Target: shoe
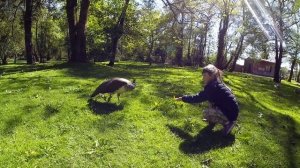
228	127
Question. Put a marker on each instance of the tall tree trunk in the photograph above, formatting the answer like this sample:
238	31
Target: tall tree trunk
38	51
292	69
77	37
27	29
278	58
195	55
117	34
70	7
237	53
189	59
202	47
298	76
208	51
265	54
179	53
15	58
220	61
42	44
200	52
179	47
229	61
13	29
4	60
151	41
279	50
81	27
188	55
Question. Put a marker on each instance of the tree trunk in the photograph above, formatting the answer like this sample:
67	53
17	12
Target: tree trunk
194	55
117	34
208	51
70	7
4	60
278	58
189	59
292	69
220	61
149	58
237	52
42	44
202	47
179	53
229	61
298	76
265	54
279	51
38	51
179	47
15	59
27	29
81	36
77	37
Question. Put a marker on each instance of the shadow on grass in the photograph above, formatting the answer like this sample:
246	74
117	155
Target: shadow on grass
22	68
103	108
205	141
11	125
281	128
285	129
50	111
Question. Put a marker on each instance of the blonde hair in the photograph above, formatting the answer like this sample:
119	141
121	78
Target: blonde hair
213	71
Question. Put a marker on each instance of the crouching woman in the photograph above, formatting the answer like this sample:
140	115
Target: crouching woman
223	107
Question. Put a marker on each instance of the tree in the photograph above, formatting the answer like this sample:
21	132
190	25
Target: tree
298	76
226	10
27	30
179	11
150	23
281	12
293	47
77	37
118	32
204	24
243	31
12	33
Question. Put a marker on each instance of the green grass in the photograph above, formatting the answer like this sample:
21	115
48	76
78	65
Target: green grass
48	121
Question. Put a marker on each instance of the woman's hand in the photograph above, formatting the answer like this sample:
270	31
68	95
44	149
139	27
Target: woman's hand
178	98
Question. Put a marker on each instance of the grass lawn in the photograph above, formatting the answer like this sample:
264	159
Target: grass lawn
47	119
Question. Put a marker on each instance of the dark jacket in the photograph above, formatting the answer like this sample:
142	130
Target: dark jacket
219	95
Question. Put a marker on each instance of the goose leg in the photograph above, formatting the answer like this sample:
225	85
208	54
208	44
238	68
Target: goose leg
103	96
108	100
118	95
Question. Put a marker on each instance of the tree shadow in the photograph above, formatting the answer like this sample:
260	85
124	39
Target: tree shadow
281	128
204	141
285	129
103	107
23	68
11	125
50	111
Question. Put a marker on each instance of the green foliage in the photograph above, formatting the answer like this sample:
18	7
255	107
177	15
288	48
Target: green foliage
297	5
47	119
49	32
101	25
11	34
